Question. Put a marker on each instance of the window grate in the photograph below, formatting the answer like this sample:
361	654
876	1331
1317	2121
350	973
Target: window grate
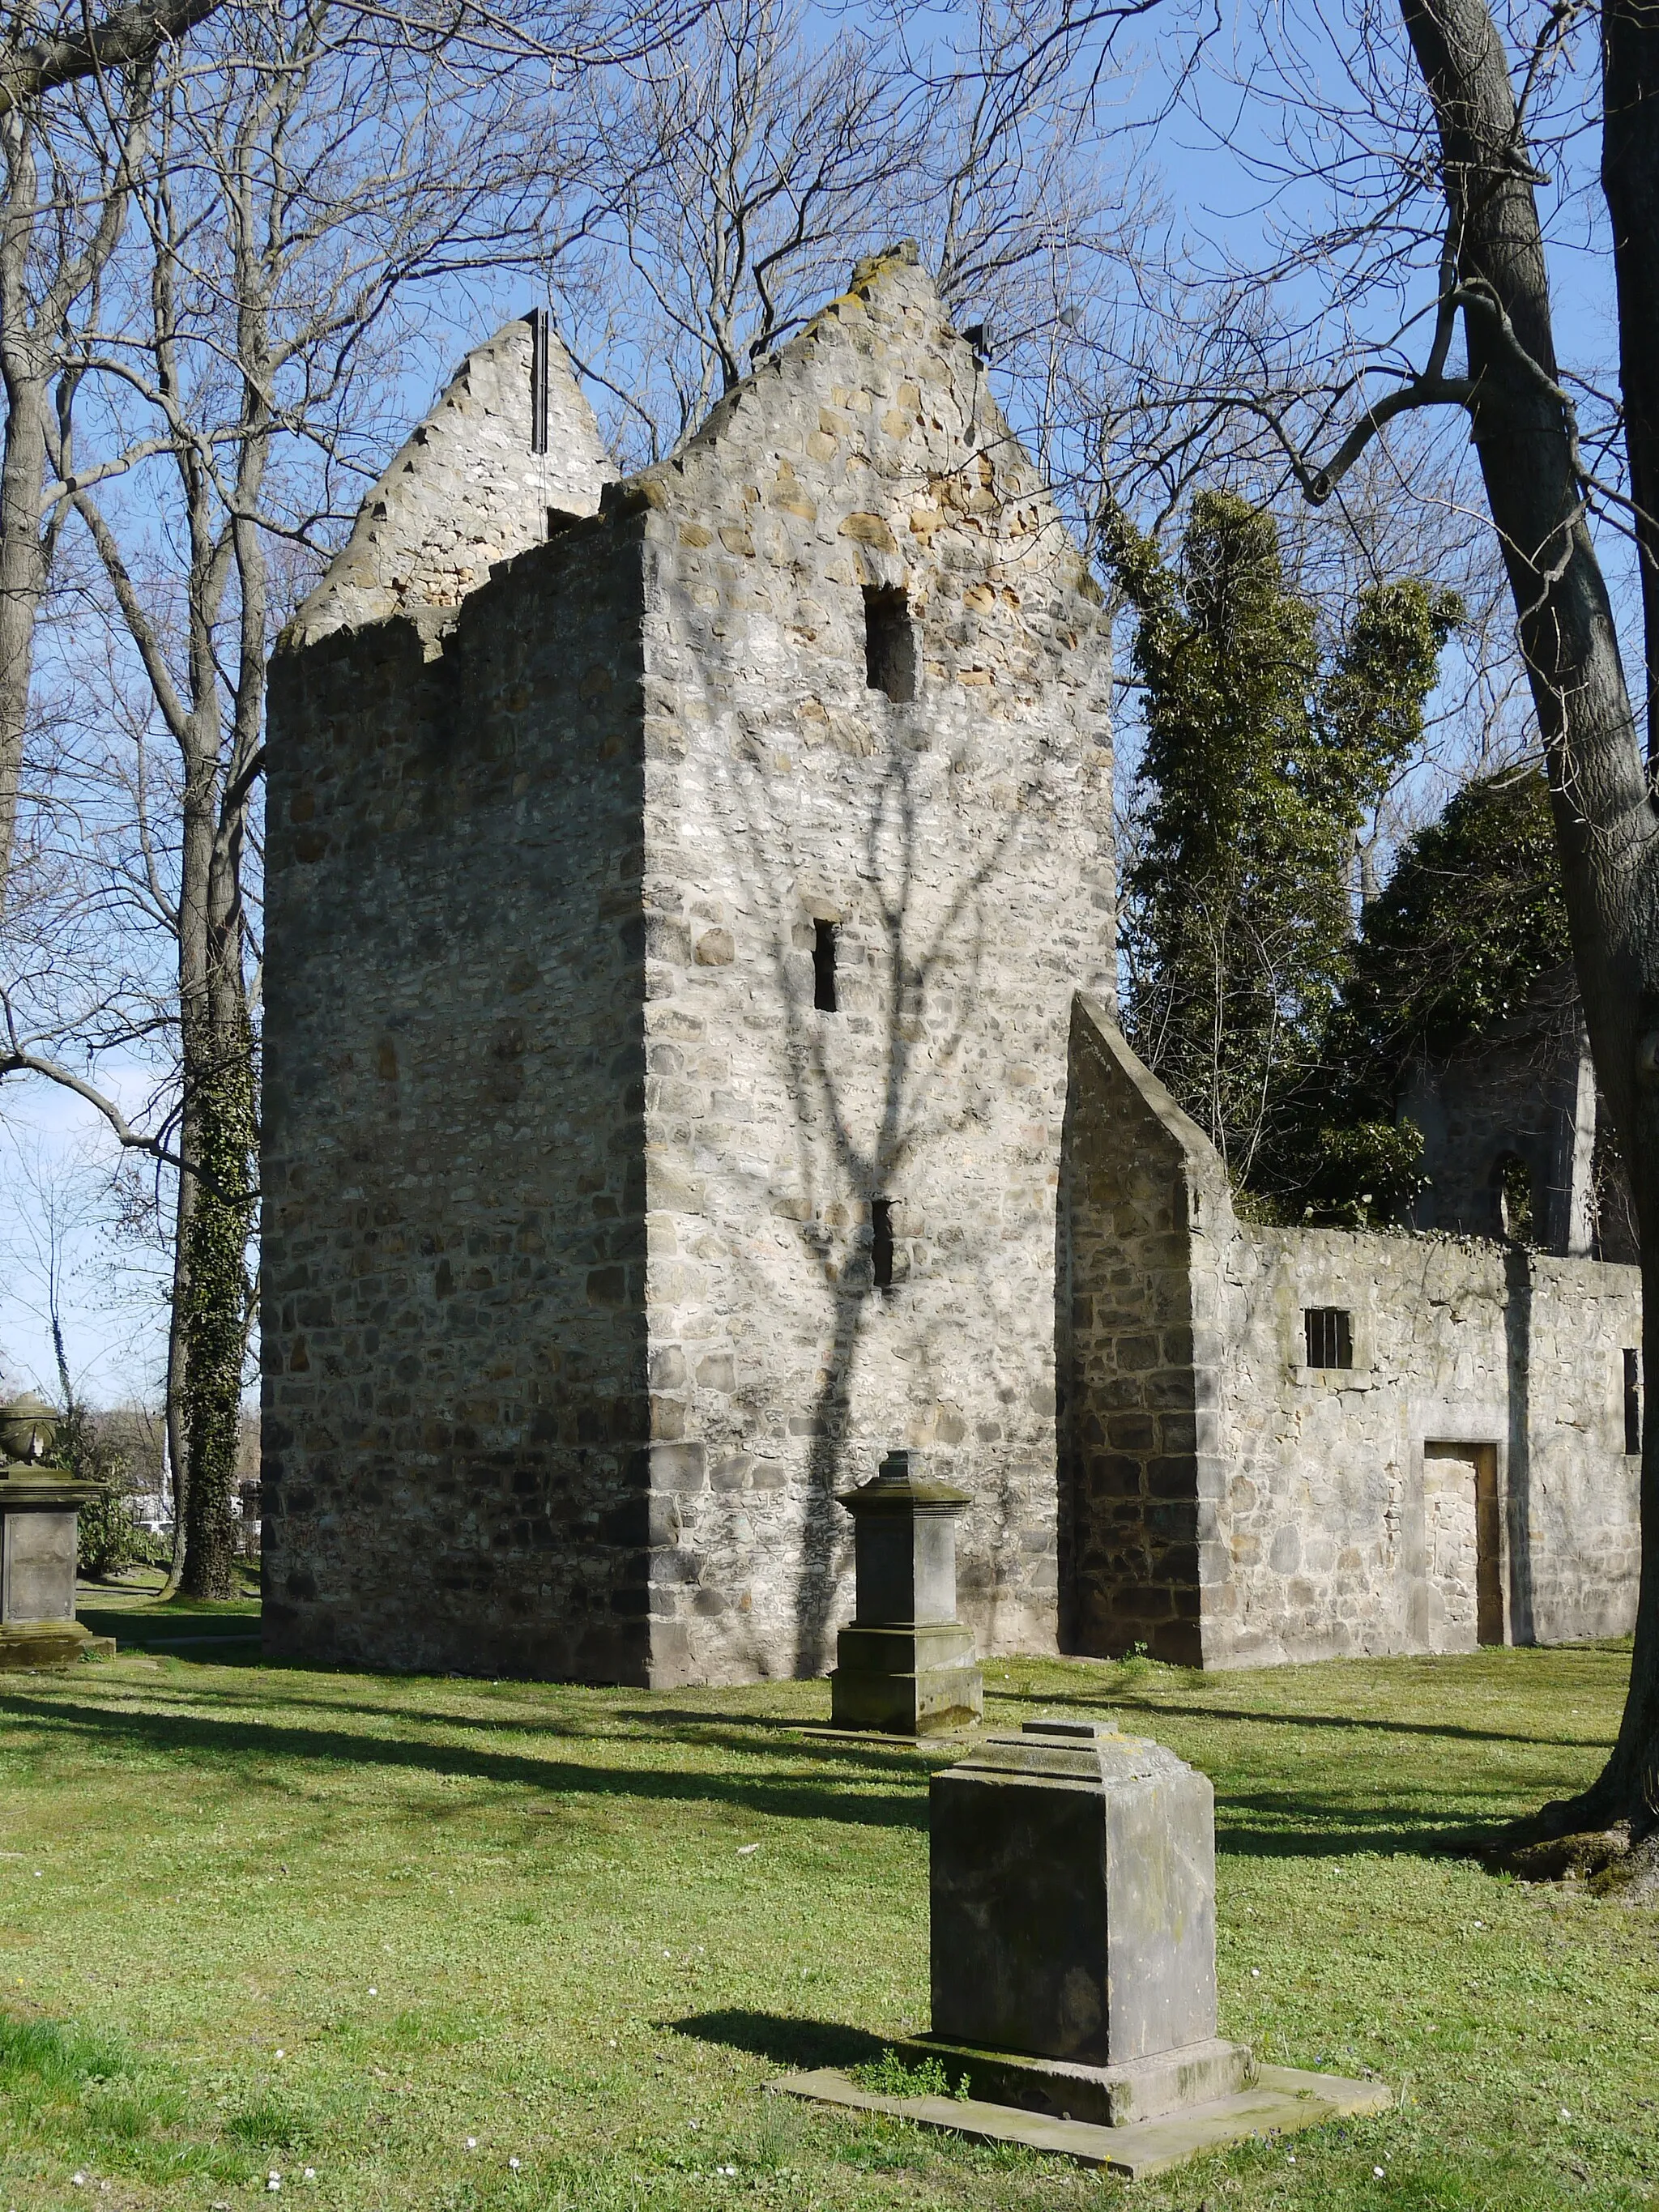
1329	1333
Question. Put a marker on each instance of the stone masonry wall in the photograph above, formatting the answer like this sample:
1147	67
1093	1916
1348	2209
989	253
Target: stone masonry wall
455	1403
571	1327
958	843
1140	1466
1328	1512
465	490
1338	1513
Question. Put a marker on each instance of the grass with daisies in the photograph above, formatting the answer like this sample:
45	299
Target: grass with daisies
380	1943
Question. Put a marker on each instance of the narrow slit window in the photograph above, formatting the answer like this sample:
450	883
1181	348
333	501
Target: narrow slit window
881	1241
823	967
1632	1402
1329	1333
540	330
890	642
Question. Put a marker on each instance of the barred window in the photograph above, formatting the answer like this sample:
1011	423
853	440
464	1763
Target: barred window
1330	1333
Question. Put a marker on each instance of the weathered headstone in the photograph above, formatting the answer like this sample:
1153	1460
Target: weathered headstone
907	1663
1073	1965
38	1507
1073	1924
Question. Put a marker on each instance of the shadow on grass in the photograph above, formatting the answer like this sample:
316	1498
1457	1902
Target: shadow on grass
1453	1732
238	1742
821	1746
1290	1824
799	2044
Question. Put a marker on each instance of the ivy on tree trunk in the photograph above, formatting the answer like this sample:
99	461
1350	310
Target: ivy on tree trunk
215	1306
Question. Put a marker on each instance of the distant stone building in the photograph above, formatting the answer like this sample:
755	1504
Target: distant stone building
1514	1135
688	1075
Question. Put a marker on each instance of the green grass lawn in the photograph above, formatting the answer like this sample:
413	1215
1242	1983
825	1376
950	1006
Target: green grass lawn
403	1933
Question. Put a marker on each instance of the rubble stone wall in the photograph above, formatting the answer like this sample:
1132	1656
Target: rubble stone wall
959	844
466	490
571	1324
1334	1510
455	1404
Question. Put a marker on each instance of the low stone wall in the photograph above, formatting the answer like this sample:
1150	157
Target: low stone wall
1344	1528
1462	1479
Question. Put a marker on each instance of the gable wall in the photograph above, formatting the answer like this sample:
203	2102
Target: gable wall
961	843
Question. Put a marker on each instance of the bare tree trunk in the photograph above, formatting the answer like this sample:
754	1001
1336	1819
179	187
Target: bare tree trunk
1605	826
1630	183
22	480
173	1422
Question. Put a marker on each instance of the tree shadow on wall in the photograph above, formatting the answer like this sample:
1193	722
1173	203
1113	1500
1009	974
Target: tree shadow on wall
846	1158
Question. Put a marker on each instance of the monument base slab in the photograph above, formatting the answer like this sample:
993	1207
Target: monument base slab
1281	2101
30	1644
1107	2096
916	1681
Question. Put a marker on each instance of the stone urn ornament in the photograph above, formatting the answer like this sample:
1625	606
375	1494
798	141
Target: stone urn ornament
39	1509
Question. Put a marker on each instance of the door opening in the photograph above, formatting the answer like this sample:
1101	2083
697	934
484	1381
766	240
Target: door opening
1465	1531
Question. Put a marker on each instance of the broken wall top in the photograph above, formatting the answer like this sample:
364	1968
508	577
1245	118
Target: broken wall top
946	464
466	490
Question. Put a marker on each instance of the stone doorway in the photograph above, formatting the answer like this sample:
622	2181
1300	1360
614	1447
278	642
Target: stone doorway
1463	1526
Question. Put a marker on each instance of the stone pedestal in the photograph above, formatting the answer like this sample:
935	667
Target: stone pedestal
907	1663
1073	1965
38	1507
1073	1926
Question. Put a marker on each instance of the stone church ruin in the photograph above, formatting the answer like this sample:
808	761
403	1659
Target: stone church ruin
689	1076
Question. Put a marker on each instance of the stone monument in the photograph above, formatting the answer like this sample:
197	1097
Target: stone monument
1073	1964
906	1665
39	1506
1073	1924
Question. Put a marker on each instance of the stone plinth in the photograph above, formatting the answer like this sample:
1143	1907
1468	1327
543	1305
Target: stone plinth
907	1663
38	1553
1073	1925
1073	1965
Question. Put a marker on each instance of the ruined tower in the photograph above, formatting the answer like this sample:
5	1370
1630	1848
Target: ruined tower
678	888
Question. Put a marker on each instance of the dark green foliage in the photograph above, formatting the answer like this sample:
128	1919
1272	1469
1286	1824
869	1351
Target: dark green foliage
1361	1173
1471	918
1260	765
107	1541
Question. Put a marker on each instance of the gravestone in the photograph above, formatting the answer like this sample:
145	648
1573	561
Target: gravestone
1073	1965
1073	1925
906	1665
39	1508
